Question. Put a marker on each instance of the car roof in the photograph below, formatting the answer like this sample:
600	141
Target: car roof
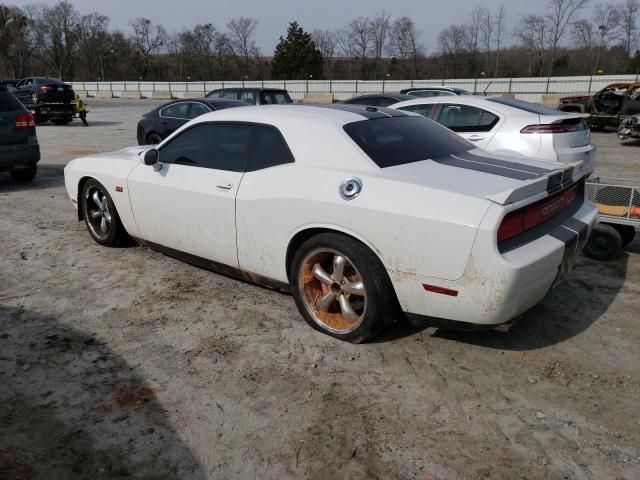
464	100
397	96
250	89
334	113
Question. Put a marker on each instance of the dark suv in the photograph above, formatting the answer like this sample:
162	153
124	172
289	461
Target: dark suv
19	149
47	98
255	96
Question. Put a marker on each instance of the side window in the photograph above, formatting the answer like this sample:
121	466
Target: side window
198	109
217	146
268	148
464	118
177	110
424	93
249	97
444	93
275	98
232	94
424	109
214	94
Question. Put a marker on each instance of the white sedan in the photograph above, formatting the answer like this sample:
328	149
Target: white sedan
513	127
362	213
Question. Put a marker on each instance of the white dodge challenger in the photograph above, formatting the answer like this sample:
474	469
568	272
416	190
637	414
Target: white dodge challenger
363	213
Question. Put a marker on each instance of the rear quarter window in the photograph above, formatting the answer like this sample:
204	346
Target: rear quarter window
8	102
399	140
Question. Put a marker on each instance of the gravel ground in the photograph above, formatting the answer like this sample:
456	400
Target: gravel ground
124	363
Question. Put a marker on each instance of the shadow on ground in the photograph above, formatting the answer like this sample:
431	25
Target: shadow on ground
567	311
78	123
72	409
49	176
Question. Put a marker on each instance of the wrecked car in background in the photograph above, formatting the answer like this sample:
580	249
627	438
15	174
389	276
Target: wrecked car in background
608	107
629	127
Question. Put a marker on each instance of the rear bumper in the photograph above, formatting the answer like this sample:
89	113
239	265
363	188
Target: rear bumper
54	109
16	156
498	287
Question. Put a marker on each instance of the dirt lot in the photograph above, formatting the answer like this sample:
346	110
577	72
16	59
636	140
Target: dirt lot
123	363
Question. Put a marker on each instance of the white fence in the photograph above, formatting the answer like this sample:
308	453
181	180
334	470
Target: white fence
531	89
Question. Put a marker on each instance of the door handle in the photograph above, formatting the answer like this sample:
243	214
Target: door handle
224	186
475	138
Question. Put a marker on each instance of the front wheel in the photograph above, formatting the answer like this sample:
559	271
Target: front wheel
341	288
100	215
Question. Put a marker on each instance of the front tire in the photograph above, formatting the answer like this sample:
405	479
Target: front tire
101	216
341	288
154	139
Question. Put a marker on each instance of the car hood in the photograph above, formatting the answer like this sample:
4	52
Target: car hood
500	178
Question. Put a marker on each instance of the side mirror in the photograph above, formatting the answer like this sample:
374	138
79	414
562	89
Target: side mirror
151	157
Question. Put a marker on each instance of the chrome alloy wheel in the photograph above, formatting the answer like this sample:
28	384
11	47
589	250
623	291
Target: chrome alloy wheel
333	291
97	212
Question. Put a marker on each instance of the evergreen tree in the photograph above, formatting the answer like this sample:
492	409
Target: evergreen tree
296	56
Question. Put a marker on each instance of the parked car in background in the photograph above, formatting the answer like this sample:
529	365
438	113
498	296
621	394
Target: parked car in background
47	99
378	99
608	107
254	96
506	125
19	149
629	127
426	92
364	214
162	121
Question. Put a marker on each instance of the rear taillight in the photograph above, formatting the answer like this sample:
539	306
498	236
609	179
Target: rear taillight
549	128
535	214
25	120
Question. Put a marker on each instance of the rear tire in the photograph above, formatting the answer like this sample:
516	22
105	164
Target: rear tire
605	243
341	288
627	233
100	215
153	139
24	175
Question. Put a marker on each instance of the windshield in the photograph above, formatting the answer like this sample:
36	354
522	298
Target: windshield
398	140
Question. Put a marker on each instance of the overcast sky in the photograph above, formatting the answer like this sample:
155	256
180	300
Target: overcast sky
273	15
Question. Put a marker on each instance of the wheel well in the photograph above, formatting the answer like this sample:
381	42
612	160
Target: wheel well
151	133
81	183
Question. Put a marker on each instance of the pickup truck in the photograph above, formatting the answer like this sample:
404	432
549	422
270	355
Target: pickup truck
608	107
47	99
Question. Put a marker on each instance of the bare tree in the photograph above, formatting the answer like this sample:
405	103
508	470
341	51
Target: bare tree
584	38
606	20
404	42
628	18
359	35
56	33
147	40
454	44
500	27
94	43
380	26
487	27
242	37
531	31
327	43
561	14
15	44
473	35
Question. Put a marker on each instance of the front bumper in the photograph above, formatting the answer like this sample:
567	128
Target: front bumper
498	287
17	156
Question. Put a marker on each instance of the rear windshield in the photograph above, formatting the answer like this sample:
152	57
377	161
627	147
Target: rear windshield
8	101
526	106
398	140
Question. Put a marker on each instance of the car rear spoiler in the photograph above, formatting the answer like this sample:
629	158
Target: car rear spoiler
552	182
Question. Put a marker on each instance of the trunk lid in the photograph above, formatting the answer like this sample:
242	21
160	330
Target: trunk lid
573	131
499	178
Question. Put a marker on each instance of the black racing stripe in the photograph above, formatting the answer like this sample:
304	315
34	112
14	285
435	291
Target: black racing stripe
577	226
483	167
565	235
505	163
